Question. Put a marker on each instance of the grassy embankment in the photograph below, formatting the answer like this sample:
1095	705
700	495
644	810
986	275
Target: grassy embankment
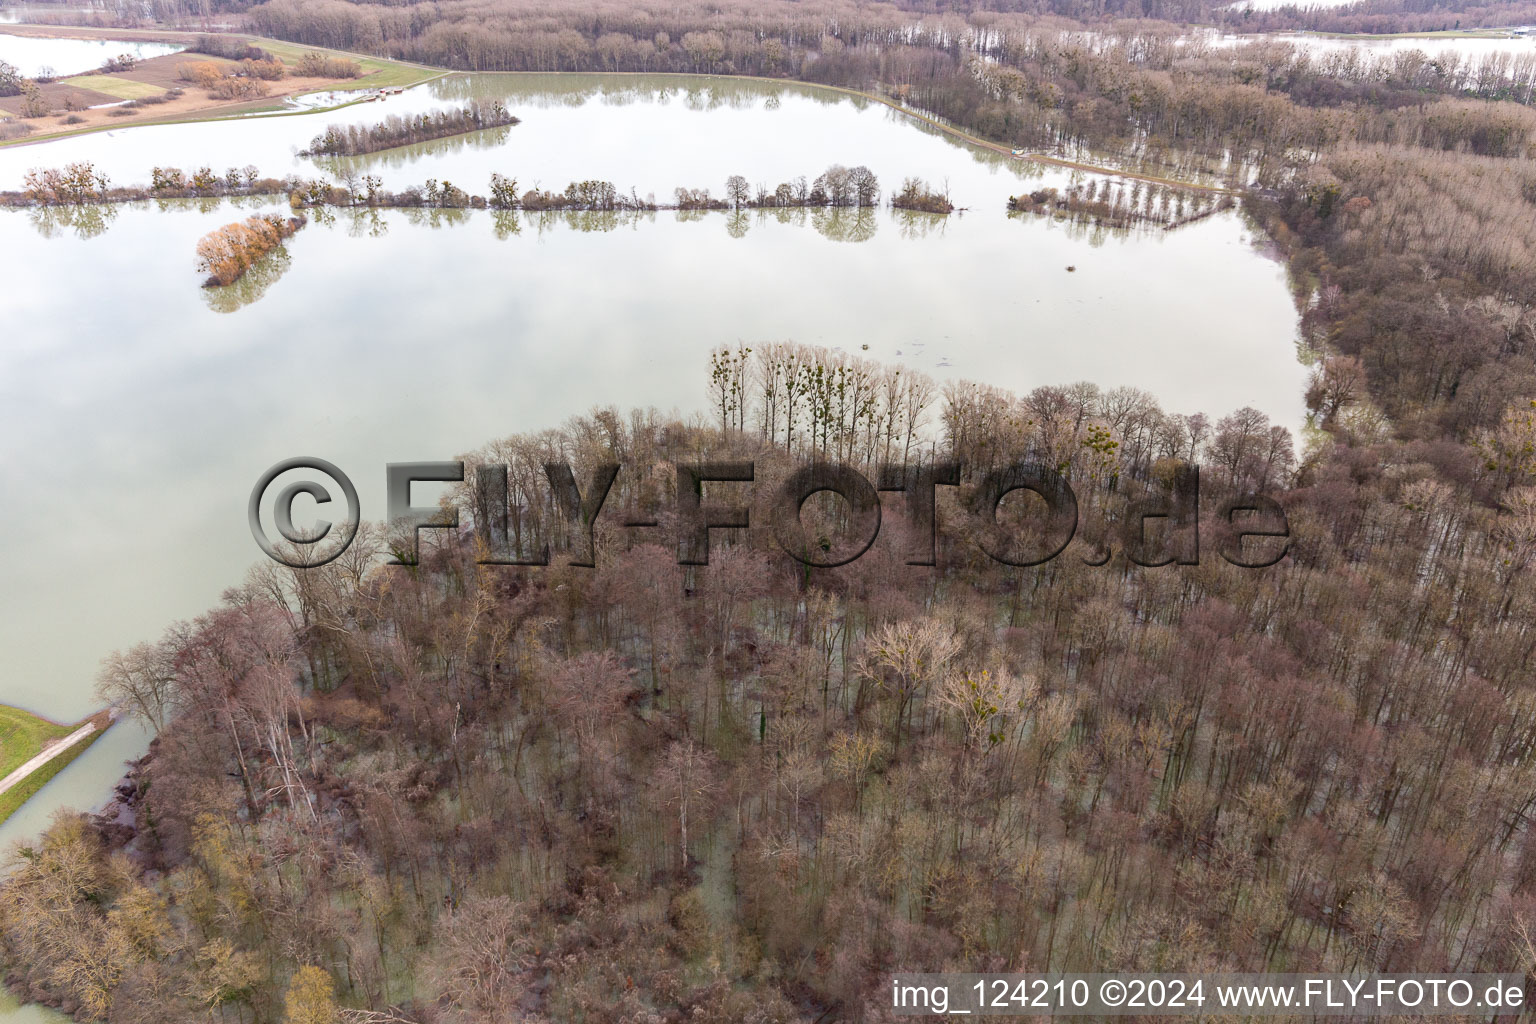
378	72
22	736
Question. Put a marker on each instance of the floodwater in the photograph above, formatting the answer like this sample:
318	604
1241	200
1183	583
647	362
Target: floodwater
1474	47
150	406
1275	5
13	1013
651	133
1465	47
34	56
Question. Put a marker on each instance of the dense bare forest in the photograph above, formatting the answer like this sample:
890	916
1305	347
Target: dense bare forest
617	788
1141	86
1365	16
744	791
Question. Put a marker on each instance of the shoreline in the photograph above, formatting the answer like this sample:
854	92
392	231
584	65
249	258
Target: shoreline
235	111
912	112
1447	35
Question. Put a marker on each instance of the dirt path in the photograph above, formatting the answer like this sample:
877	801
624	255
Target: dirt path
48	754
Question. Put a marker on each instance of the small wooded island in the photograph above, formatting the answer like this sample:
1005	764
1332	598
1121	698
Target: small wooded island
229	252
397	130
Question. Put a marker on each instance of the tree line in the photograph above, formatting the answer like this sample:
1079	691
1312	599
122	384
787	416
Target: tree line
1044	83
397	130
81	183
1365	16
1119	205
917	194
838	186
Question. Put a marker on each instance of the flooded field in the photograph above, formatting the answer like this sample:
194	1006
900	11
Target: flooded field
38	56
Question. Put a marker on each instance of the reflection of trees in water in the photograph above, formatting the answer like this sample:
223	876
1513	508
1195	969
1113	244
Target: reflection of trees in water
1082	227
252	202
507	223
844	223
1098	210
795	215
594	220
916	224
848	224
435	216
208	204
575	90
589	220
252	285
93	219
575	93
718	95
839	223
84	221
401	156
367	222
1154	158
1024	170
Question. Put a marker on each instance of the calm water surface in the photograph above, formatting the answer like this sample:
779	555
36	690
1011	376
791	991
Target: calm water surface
71	56
1462	46
1465	47
652	133
1274	5
144	407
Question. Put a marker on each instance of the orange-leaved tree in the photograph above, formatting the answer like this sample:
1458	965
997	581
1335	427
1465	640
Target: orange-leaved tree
230	251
